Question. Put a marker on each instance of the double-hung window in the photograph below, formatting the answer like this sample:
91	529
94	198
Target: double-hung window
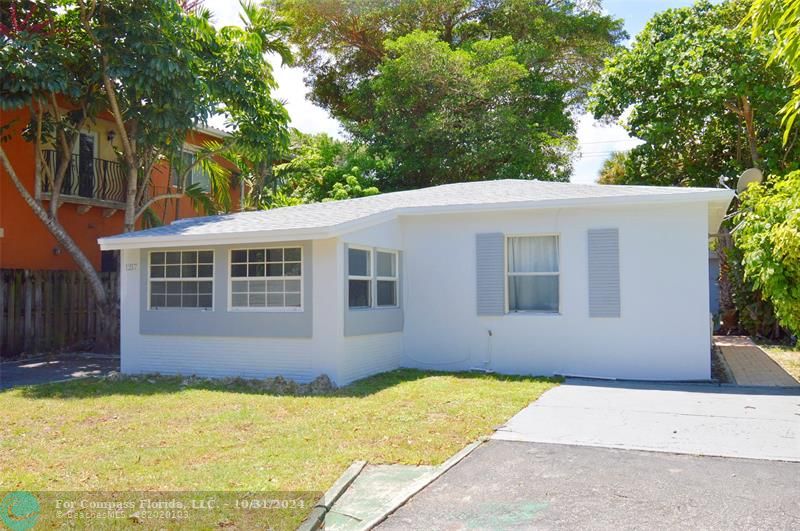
181	279
386	278
359	277
533	274
372	278
267	279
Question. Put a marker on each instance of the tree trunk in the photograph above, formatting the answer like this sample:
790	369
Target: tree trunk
106	308
130	199
729	320
749	123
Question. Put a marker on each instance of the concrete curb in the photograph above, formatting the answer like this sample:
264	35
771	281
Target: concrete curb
407	493
315	520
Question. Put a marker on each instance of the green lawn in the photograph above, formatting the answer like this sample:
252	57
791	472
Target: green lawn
786	356
155	434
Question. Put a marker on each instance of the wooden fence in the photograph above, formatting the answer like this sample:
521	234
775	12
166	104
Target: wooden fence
43	311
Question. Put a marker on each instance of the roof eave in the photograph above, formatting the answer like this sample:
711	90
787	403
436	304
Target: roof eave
719	197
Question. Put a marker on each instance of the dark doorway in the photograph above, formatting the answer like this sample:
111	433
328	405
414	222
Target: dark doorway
86	166
109	261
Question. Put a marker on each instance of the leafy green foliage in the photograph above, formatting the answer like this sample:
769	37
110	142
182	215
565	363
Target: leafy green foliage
768	234
350	188
780	20
454	90
754	314
701	94
321	168
458	115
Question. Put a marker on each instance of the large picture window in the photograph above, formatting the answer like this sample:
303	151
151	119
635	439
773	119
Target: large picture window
533	274
372	284
267	279
181	279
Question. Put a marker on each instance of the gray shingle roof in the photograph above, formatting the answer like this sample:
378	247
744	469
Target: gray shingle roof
466	196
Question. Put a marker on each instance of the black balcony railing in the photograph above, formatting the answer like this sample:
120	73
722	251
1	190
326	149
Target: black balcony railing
88	177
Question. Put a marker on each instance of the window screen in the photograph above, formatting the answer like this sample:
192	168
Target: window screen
267	278
181	279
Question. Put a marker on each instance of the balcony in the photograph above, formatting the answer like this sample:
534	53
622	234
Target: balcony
89	181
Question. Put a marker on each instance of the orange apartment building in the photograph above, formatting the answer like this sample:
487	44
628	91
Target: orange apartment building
93	197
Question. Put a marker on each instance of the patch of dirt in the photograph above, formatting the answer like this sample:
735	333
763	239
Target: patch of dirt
719	370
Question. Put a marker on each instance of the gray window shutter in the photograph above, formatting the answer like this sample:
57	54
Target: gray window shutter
490	256
604	273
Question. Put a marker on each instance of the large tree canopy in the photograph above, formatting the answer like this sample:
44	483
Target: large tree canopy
703	96
455	90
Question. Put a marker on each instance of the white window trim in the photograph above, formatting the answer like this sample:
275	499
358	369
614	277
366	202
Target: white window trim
507	274
272	309
369	277
373	278
181	309
395	279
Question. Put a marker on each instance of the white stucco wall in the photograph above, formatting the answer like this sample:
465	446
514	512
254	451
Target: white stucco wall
300	359
662	333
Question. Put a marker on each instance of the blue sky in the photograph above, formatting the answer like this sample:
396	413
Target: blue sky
597	142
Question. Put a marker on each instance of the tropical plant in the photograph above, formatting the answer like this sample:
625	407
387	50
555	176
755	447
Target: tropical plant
768	234
321	168
613	169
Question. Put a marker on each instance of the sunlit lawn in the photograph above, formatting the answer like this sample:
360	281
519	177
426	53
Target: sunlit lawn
158	435
786	356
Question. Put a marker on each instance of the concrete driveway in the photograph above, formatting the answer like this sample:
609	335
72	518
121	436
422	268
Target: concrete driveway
699	419
514	485
56	367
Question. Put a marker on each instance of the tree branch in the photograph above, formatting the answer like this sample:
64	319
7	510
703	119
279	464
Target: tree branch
155	199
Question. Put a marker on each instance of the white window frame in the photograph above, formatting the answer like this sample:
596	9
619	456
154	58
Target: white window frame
266	309
193	150
373	278
368	277
508	274
395	278
150	280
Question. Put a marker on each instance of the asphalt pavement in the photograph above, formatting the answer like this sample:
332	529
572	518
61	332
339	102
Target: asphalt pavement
55	367
523	485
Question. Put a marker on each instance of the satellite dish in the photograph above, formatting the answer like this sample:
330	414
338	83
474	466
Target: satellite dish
748	177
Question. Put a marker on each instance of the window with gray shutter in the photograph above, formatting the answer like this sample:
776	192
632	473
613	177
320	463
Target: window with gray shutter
490	261
604	299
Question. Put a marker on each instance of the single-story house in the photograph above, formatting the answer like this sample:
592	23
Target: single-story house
513	276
